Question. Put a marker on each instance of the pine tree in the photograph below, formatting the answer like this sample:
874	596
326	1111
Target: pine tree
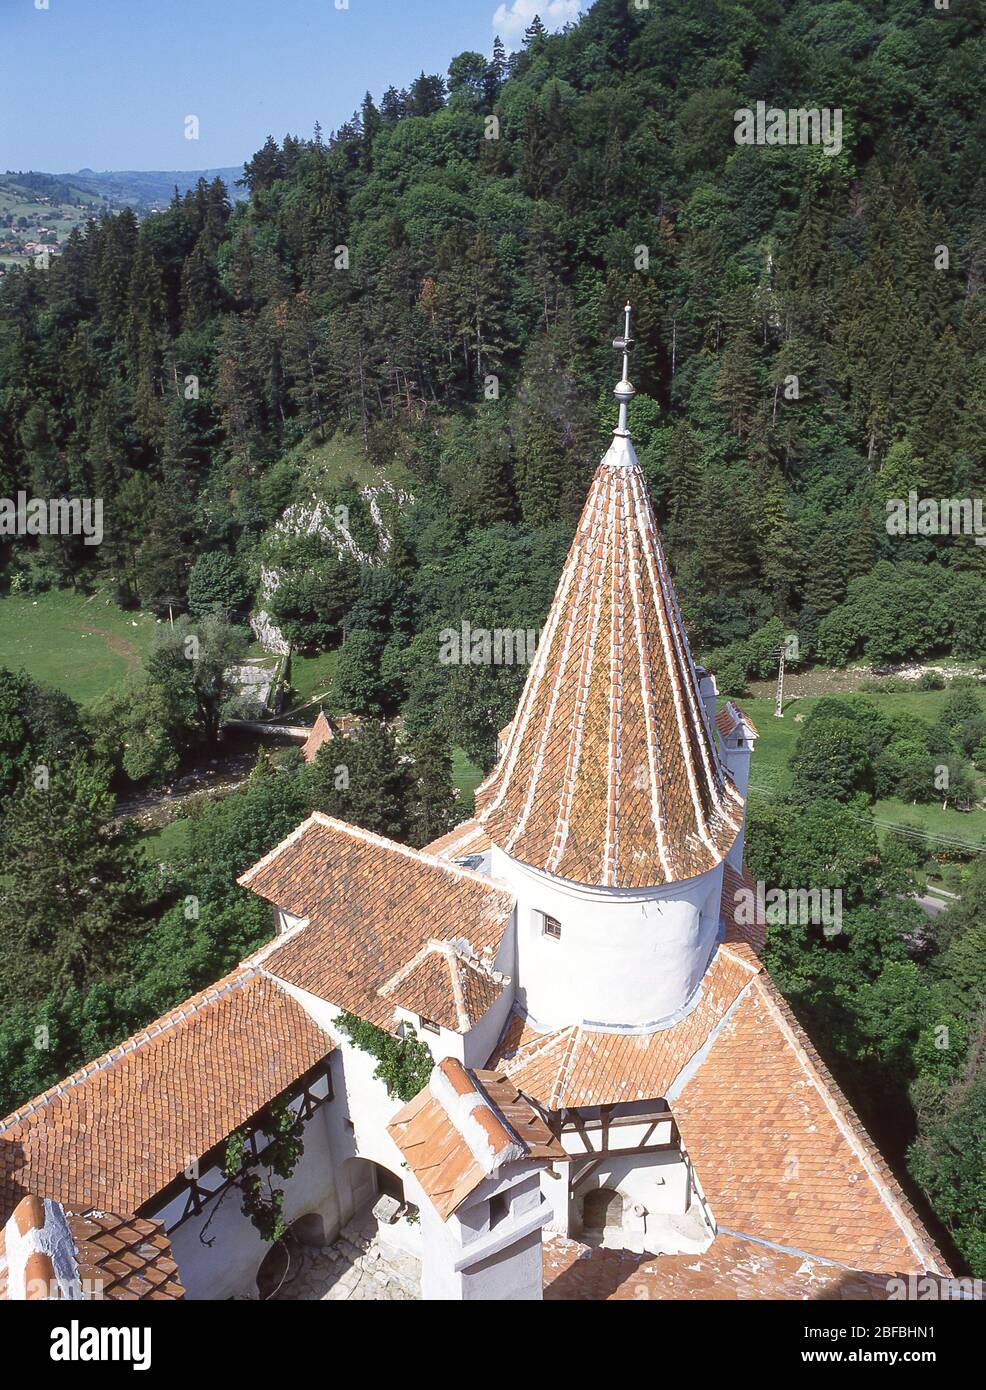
427	95
685	469
496	72
779	553
117	243
825	571
738	384
72	896
365	780
535	33
265	168
168	550
434	793
392	107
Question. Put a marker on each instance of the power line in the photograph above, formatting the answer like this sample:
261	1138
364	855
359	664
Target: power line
913	832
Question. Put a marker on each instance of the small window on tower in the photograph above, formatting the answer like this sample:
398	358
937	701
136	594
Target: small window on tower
550	926
428	1025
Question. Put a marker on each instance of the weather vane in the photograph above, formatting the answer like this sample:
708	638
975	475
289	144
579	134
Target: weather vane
624	391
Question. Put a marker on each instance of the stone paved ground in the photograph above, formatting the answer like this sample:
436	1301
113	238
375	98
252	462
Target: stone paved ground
354	1267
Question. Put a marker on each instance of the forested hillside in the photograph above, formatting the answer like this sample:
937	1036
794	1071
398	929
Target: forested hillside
378	278
411	319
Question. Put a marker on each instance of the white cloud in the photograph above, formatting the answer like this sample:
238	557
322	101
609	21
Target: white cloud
510	21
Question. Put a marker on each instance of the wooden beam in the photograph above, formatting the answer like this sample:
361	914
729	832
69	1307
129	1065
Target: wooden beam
584	1172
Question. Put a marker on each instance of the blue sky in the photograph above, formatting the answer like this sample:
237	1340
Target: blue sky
108	84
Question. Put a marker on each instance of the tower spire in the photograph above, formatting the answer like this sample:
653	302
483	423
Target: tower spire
609	775
623	390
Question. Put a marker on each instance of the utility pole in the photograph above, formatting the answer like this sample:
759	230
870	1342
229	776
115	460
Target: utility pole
779	703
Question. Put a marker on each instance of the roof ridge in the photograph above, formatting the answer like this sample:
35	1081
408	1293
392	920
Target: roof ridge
565	1070
452	963
533	1047
371	838
843	1113
726	948
573	756
193	1005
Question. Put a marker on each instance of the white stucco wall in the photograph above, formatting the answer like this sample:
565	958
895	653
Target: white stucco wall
658	1181
465	1260
737	762
228	1266
627	958
331	1179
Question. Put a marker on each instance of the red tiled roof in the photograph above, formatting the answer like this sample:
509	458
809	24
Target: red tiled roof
780	1153
114	1134
321	733
467	838
371	905
609	775
96	1256
731	1269
446	985
741	909
729	716
573	1066
465	1126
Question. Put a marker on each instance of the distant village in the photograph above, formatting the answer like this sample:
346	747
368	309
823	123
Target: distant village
29	234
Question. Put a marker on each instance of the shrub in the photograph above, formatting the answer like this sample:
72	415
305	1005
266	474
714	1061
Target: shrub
403	1064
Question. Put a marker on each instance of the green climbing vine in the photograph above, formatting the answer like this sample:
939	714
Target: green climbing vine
263	1203
403	1064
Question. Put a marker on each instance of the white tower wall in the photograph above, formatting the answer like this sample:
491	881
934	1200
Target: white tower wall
625	958
737	753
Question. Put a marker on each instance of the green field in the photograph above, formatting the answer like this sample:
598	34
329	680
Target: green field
466	776
770	772
311	676
164	845
82	645
86	646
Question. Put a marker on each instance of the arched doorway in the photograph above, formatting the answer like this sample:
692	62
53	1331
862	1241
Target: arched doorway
601	1209
369	1180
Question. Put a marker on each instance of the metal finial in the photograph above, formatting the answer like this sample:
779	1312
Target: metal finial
624	391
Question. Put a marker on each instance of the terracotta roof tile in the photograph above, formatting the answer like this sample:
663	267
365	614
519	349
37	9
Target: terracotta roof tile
465	1126
321	733
609	775
730	1269
96	1256
446	984
371	906
572	1067
467	838
730	716
781	1155
742	912
114	1134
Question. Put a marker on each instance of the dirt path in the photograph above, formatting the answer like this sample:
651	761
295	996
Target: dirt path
824	680
152	809
119	646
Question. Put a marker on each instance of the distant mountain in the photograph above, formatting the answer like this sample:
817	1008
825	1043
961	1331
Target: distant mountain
145	189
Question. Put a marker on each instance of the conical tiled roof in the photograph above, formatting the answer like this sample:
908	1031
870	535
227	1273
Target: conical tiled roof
610	775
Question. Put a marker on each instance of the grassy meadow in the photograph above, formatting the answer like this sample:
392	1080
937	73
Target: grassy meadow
770	770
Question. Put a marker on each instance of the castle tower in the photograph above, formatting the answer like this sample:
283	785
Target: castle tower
609	810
